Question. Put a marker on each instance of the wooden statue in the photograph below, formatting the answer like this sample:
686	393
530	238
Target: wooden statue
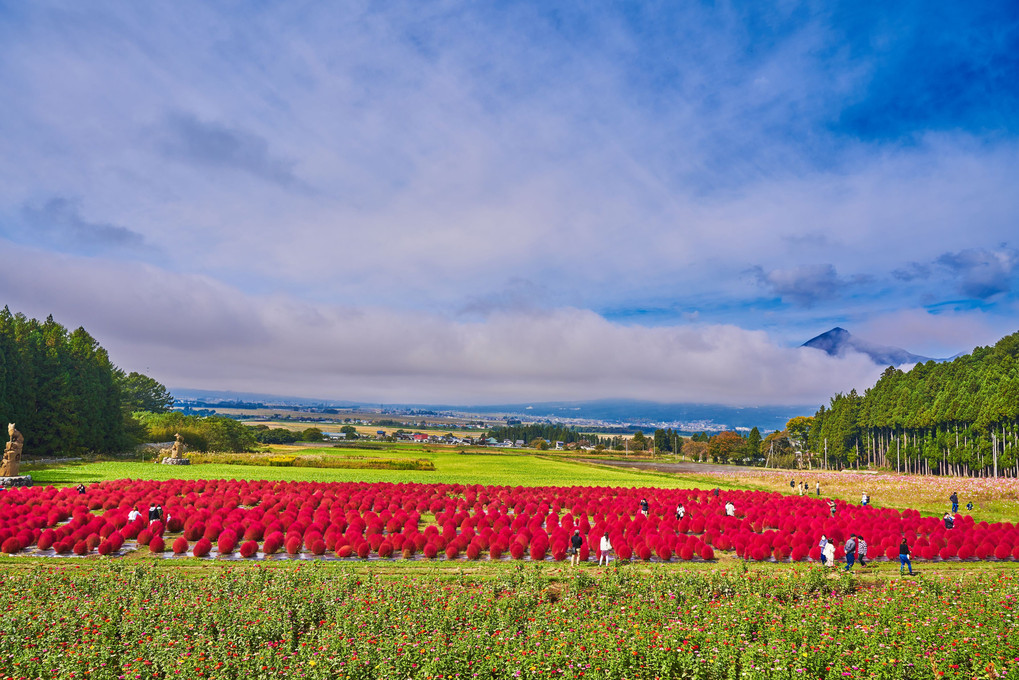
12	453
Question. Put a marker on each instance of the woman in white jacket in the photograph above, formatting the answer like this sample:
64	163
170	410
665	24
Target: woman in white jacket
606	548
829	554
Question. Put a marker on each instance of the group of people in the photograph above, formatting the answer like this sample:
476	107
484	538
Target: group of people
804	487
155	513
856	551
855	548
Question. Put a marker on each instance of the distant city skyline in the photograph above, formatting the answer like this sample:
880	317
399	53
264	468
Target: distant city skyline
460	203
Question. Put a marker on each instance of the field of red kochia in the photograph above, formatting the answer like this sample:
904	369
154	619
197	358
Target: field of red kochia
259	519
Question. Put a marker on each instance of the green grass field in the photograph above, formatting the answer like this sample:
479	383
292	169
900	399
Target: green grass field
451	467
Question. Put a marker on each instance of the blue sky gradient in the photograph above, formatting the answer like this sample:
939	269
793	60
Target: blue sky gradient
465	202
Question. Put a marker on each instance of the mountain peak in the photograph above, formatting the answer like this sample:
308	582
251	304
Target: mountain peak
838	341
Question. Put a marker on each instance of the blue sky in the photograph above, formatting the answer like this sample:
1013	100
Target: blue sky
462	202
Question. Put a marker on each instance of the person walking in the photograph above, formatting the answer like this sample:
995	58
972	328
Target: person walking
829	554
904	557
575	542
823	545
861	550
818	489
955	502
680	512
850	551
606	548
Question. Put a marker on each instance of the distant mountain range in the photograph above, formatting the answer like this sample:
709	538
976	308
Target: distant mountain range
838	341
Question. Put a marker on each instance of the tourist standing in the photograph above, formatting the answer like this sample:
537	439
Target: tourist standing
818	489
680	512
643	506
829	554
575	542
904	557
861	550
955	502
606	548
823	545
850	551
730	509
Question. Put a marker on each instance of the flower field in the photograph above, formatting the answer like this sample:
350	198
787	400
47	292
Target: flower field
114	621
992	496
265	520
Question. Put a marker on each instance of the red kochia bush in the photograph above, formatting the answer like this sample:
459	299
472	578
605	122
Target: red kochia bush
707	553
180	546
430	550
157	544
11	545
517	550
386	549
47	539
227	542
249	548
202	548
80	548
293	545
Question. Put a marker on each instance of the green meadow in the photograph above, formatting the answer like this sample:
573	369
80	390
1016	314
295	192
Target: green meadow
452	466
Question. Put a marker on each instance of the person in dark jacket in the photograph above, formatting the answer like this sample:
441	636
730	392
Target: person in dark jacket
575	542
643	506
850	551
955	502
904	557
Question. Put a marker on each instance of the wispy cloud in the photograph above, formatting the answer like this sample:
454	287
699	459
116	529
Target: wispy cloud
982	273
184	137
805	285
58	223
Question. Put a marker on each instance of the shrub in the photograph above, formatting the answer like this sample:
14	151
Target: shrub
157	545
11	546
180	546
249	548
227	542
202	548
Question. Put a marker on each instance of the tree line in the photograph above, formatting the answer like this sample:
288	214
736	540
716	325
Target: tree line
958	418
68	399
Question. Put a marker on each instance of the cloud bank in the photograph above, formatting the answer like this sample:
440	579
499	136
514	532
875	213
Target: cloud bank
631	200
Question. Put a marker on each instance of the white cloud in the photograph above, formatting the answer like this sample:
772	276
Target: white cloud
189	331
